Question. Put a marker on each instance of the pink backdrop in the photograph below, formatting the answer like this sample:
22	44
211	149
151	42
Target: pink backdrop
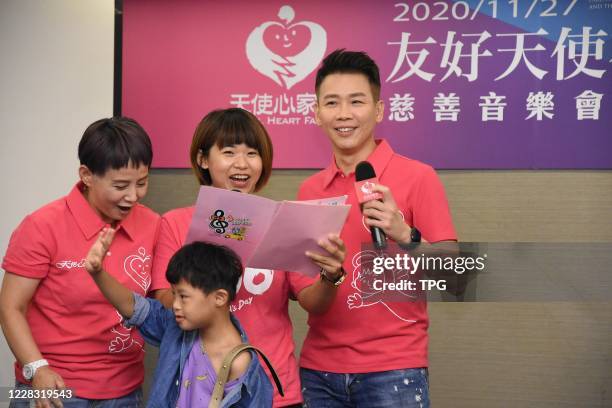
182	59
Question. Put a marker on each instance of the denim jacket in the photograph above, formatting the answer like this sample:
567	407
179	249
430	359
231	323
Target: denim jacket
158	327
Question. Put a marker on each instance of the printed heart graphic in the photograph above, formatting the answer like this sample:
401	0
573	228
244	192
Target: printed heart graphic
259	278
257	281
284	52
138	267
286	41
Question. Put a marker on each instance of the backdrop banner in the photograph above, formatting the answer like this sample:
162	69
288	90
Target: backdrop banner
474	84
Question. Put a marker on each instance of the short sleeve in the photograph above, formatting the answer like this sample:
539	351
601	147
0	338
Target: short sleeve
168	242
303	192
431	214
297	282
30	250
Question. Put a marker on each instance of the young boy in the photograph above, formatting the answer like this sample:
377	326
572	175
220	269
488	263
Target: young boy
196	335
366	351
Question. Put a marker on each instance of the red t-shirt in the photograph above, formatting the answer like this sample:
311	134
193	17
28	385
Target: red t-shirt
261	304
362	332
76	329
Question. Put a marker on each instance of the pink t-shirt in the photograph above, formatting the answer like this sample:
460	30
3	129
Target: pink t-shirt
362	332
75	327
261	304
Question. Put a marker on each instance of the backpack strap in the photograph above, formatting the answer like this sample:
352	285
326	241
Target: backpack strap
222	376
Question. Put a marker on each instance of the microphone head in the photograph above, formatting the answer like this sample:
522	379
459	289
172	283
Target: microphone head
364	171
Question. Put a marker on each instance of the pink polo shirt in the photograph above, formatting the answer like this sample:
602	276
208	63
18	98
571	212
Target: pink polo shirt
261	304
75	327
362	332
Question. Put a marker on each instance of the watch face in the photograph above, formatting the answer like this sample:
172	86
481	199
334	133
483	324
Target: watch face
340	279
27	372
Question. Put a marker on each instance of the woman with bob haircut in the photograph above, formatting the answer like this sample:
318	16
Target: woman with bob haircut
231	149
62	331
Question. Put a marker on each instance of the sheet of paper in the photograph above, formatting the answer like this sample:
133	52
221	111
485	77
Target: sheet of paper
236	220
340	200
263	232
296	228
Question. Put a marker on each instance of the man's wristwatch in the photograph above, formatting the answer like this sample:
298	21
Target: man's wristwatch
30	369
336	281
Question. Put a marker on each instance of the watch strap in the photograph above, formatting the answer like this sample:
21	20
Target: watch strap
33	366
337	281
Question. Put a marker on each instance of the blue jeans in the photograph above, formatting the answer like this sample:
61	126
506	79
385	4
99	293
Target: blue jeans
386	389
131	400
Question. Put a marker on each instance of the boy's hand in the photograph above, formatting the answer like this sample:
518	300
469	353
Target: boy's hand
97	252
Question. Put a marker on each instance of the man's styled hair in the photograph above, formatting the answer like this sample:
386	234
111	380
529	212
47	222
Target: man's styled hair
113	143
350	62
207	267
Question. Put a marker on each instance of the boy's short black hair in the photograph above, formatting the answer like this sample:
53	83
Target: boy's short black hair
350	62
114	143
207	267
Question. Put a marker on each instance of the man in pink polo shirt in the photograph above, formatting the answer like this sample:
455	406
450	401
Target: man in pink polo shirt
61	329
366	351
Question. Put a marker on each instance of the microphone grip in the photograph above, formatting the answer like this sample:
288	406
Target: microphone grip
379	239
415	235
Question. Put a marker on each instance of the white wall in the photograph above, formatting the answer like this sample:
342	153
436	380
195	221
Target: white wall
56	77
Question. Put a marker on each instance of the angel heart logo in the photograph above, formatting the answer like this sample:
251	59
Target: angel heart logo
138	267
286	52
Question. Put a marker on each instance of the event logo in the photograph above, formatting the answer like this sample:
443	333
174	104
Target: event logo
365	190
218	222
228	226
285	52
366	187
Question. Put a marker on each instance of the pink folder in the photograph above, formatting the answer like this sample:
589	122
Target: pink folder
266	233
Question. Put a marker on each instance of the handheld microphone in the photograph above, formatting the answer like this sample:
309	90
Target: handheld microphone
365	171
415	235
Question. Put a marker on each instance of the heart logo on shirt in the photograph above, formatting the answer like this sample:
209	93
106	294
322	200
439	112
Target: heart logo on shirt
256	281
138	267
